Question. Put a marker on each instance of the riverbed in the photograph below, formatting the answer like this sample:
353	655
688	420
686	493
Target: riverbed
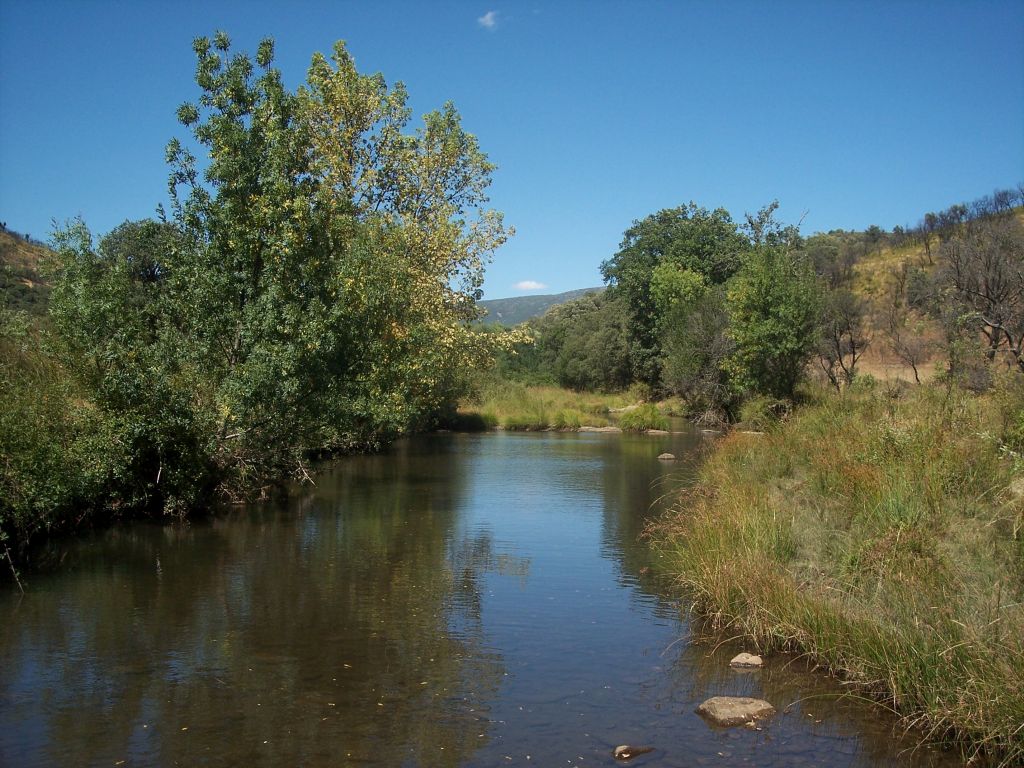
459	600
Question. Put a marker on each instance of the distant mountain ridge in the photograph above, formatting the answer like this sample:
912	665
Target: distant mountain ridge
519	309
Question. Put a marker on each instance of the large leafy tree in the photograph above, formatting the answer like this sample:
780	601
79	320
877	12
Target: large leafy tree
670	247
313	283
584	343
774	306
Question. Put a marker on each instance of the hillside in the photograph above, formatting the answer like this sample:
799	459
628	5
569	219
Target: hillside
878	275
519	309
21	285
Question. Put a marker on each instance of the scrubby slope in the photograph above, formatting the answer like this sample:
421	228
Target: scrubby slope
22	286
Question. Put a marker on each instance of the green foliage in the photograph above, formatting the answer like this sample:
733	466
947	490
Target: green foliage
59	456
673	286
22	286
695	346
643	417
774	306
312	290
688	240
761	412
583	344
569	419
893	557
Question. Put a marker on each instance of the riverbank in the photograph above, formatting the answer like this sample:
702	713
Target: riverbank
520	407
880	534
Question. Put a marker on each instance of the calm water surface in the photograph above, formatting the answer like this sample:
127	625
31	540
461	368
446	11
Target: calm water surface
463	600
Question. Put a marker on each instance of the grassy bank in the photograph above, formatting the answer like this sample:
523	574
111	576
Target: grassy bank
516	406
880	534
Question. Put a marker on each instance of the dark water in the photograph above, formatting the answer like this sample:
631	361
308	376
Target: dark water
462	600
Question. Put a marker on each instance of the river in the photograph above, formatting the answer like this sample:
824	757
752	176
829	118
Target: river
460	600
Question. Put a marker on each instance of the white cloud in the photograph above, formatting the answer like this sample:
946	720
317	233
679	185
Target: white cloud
489	20
528	285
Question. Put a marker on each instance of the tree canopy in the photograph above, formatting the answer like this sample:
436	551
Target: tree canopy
656	254
310	288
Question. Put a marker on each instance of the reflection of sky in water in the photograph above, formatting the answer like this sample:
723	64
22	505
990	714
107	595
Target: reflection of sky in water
461	600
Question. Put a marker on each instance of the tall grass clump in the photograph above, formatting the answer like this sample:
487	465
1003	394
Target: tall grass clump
643	417
879	533
517	406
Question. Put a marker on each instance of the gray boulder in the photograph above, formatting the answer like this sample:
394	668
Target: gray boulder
735	710
746	660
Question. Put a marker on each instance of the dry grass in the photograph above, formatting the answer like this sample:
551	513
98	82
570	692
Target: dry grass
523	407
876	534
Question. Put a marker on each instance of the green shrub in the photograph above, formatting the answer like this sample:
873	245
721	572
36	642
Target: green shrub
58	455
644	417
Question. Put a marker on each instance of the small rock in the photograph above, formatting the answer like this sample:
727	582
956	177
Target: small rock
734	710
656	432
626	752
746	660
667	457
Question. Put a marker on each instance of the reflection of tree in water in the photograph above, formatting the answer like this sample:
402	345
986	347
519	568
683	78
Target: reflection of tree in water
344	629
633	480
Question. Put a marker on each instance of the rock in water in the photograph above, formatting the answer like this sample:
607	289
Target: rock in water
734	710
626	752
746	660
667	457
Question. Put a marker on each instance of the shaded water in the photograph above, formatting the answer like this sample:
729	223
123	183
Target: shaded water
477	600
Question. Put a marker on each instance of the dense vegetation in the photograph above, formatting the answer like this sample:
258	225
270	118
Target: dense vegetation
893	558
713	312
22	287
311	289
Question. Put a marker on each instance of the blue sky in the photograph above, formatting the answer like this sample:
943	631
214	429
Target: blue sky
597	113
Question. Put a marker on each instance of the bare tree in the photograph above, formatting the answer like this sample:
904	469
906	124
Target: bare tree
984	265
844	337
907	337
913	298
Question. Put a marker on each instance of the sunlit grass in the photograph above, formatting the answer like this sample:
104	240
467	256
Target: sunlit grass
644	417
517	406
875	534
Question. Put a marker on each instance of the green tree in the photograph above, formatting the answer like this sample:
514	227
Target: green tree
774	308
312	289
583	344
695	346
690	239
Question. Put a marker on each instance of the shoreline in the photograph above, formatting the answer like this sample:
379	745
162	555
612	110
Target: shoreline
858	534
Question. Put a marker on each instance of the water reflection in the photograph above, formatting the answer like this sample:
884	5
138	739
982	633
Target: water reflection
462	600
344	627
